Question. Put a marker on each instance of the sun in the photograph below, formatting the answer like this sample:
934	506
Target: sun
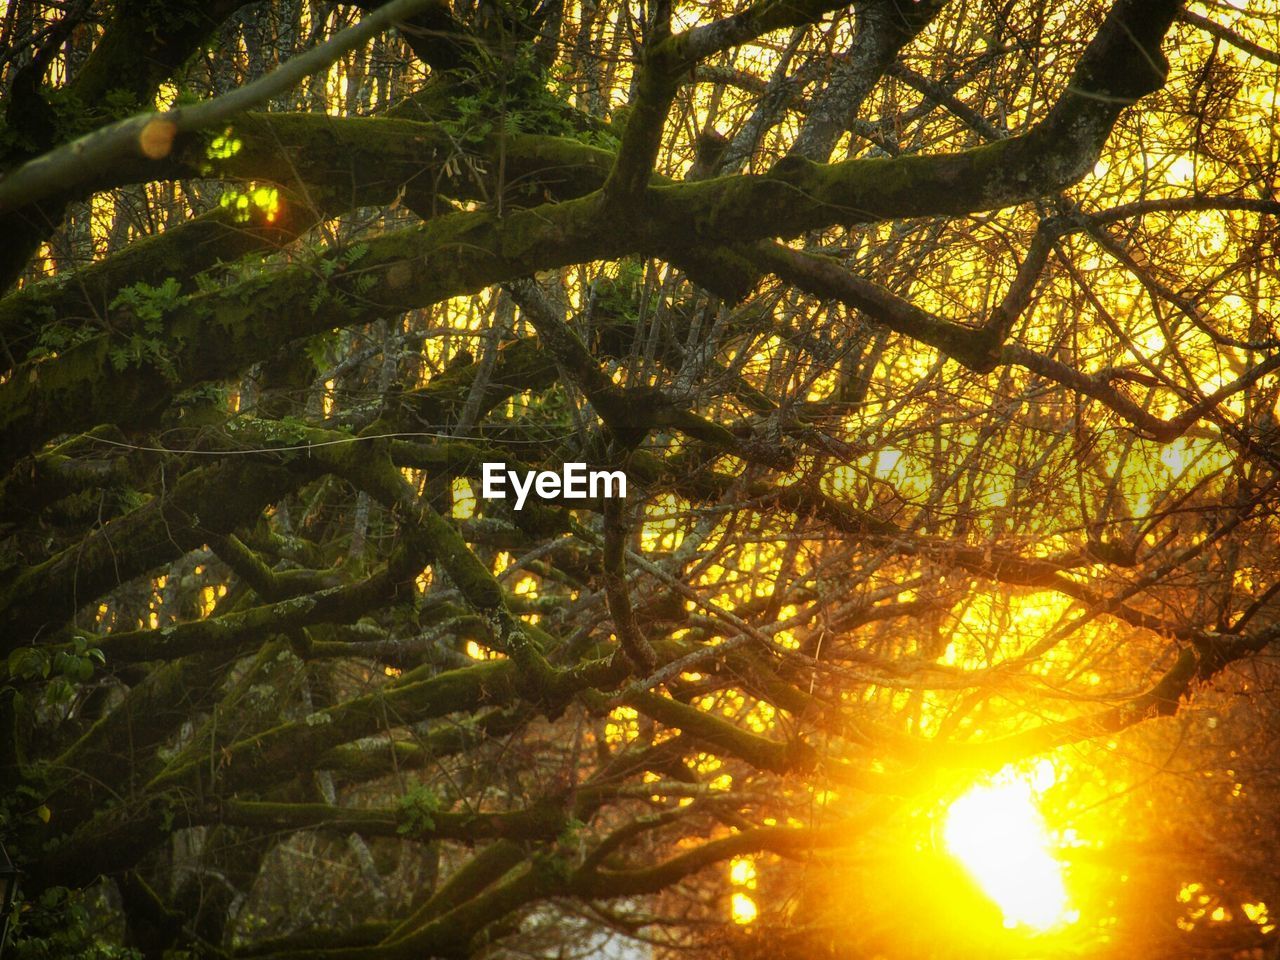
997	832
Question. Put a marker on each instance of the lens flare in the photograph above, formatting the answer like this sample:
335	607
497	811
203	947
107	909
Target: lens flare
996	831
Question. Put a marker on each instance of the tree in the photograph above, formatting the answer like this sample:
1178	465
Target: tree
936	343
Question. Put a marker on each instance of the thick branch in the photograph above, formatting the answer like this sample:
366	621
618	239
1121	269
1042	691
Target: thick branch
147	135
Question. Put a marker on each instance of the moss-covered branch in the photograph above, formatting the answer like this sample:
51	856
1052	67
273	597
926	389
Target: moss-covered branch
538	822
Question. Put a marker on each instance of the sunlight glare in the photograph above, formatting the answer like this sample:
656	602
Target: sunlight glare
743	909
996	831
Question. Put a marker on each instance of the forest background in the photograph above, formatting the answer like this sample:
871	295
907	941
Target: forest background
937	340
